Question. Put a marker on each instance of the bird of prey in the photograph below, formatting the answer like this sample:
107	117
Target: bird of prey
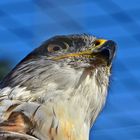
57	91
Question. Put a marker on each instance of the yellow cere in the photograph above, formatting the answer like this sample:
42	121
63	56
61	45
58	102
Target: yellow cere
101	42
87	53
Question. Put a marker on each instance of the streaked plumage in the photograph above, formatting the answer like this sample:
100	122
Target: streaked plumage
57	91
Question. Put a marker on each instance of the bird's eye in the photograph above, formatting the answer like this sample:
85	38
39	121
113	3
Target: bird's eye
54	48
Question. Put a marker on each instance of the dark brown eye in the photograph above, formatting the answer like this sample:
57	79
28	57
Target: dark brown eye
54	48
57	47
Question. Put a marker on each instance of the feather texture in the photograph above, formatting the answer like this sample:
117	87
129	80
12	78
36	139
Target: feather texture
46	99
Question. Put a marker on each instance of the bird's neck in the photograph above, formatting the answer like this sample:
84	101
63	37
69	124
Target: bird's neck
67	114
75	115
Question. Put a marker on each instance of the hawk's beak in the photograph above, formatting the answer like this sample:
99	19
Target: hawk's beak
106	50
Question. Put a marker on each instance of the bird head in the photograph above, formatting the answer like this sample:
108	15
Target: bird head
63	62
77	51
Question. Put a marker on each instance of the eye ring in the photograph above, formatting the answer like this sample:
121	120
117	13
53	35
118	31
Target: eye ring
57	47
54	48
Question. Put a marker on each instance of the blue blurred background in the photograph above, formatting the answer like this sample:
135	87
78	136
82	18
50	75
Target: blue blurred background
24	24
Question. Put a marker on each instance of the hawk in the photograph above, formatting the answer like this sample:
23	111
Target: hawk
57	91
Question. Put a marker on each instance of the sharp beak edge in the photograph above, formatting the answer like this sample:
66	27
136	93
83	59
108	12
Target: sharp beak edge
106	49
